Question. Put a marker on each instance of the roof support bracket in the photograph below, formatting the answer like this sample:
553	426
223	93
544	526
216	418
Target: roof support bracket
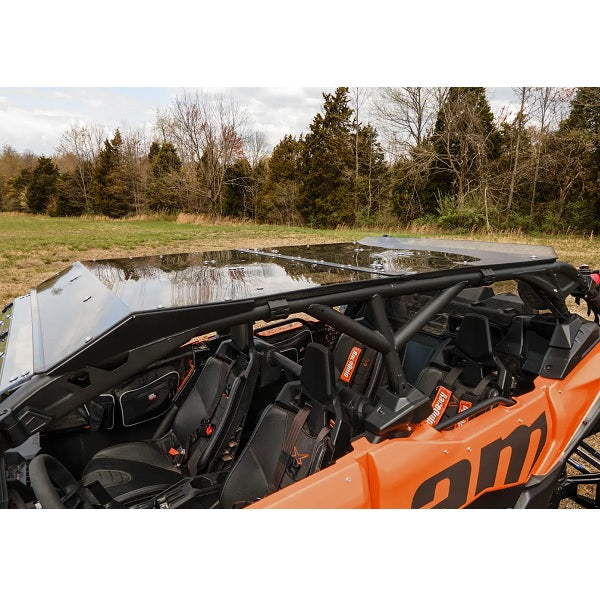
278	309
488	276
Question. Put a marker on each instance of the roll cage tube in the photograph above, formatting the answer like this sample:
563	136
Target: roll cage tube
44	397
385	341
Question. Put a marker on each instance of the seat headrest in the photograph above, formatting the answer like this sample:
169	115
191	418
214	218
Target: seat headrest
317	378
474	338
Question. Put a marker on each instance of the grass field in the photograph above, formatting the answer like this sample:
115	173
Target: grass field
35	248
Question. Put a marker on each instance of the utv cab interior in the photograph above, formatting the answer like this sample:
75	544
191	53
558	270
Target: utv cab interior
227	411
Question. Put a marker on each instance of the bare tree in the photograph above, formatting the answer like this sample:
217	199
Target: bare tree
463	145
256	148
83	142
564	166
548	109
406	115
209	132
135	152
520	121
359	97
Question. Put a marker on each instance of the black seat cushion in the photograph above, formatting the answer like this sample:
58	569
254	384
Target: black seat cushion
131	471
142	469
249	478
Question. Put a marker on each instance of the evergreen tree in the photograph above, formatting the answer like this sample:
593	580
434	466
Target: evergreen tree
42	189
371	186
585	119
278	199
163	190
15	197
11	164
69	200
163	159
110	191
153	151
328	164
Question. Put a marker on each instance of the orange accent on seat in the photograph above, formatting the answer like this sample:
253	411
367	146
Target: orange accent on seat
187	375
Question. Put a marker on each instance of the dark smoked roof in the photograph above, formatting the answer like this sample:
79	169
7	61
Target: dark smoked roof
77	306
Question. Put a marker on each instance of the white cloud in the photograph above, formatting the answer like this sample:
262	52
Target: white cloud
36	118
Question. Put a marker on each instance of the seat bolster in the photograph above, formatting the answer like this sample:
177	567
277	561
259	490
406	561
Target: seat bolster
130	471
249	477
143	452
428	379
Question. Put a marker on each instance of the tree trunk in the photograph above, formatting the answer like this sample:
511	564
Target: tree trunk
513	177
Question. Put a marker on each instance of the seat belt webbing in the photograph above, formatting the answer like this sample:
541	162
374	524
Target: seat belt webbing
288	447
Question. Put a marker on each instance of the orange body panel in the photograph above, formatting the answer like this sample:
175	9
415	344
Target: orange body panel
501	448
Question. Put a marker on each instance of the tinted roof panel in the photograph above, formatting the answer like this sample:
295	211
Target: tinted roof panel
73	309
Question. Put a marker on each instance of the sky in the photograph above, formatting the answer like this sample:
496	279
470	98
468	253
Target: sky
115	63
34	118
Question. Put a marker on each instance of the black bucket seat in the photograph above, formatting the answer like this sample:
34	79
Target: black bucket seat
304	430
203	433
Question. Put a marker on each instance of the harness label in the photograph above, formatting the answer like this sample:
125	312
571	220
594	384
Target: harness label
463	405
351	363
439	405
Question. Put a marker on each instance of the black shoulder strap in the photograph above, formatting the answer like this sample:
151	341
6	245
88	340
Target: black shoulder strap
450	379
197	443
221	388
480	387
288	447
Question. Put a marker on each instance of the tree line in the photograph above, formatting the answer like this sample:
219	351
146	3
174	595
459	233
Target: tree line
384	156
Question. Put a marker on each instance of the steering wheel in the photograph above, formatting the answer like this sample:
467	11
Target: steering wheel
54	485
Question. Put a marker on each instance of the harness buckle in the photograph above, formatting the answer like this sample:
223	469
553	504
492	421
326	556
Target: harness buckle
206	428
177	455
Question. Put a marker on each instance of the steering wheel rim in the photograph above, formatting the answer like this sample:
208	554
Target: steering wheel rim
54	485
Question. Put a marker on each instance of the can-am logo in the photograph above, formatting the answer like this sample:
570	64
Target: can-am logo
439	405
351	363
502	463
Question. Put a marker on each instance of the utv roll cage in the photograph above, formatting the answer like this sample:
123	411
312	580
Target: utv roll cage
145	337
